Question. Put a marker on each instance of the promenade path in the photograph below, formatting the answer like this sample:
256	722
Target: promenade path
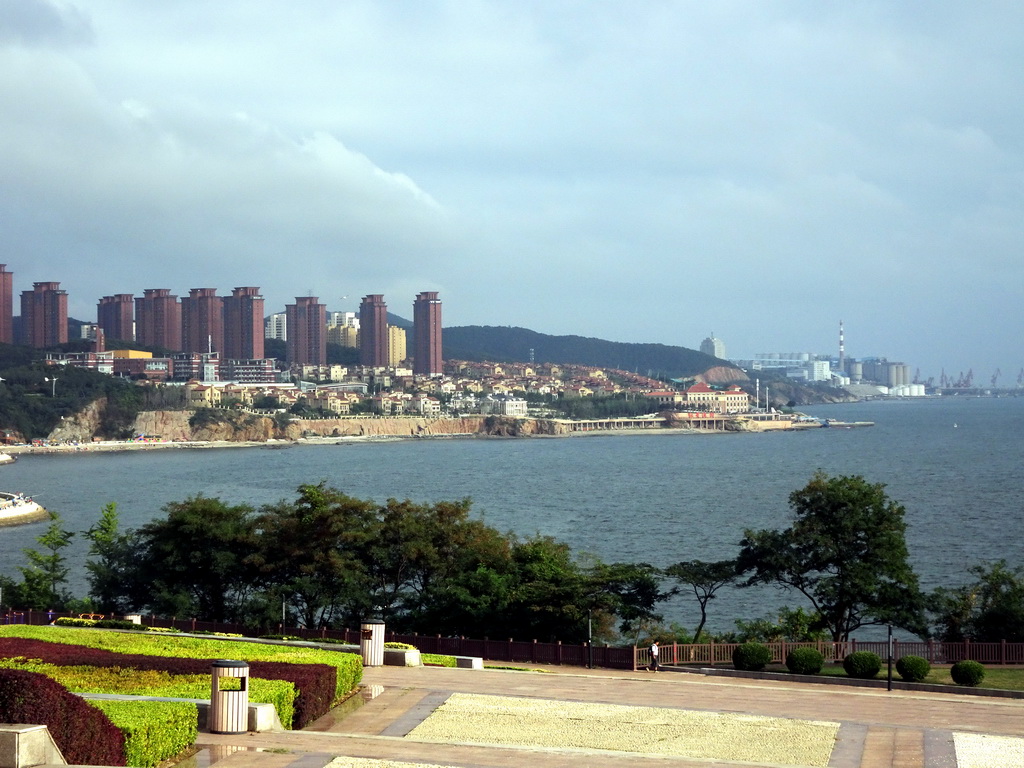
878	729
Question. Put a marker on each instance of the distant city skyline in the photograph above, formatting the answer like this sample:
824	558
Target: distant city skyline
214	332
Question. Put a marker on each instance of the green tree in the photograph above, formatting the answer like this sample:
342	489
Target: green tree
112	565
988	610
423	560
548	597
845	552
193	562
629	592
47	571
790	625
704	579
312	553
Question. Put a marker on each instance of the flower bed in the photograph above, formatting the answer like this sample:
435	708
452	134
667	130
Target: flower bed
150	682
316	683
82	733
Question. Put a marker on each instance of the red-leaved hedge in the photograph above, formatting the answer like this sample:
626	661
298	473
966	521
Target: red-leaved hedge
315	683
83	733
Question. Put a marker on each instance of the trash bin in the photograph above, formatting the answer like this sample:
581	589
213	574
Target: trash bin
371	642
229	708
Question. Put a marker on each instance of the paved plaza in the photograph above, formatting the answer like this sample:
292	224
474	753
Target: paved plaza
876	728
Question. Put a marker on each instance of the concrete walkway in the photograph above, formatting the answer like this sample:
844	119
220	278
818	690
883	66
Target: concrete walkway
878	728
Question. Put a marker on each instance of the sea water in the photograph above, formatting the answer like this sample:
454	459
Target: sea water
954	463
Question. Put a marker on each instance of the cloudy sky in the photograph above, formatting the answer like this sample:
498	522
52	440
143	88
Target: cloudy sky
638	171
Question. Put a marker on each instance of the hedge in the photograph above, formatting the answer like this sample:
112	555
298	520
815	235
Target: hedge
83	733
150	682
349	666
316	683
154	731
438	660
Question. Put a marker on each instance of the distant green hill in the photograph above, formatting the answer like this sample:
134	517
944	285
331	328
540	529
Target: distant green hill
507	344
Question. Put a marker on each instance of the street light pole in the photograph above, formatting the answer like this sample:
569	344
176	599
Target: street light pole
590	638
53	385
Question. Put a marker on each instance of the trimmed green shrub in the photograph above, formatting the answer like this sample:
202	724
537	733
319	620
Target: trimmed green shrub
913	669
83	733
751	657
805	661
153	730
212	633
863	665
400	646
438	660
967	672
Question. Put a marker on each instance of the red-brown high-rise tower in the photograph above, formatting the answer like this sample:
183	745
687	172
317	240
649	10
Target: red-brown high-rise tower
6	305
307	331
115	315
158	319
426	318
373	331
243	324
202	321
44	315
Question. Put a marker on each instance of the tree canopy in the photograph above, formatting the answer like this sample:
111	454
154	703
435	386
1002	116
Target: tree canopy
845	552
333	560
704	579
989	609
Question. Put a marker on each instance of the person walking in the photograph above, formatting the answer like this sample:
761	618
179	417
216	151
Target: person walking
654	657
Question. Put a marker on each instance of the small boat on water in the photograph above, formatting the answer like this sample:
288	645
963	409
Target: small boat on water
17	508
6	458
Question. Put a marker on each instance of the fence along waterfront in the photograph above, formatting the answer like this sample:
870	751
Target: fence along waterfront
610	657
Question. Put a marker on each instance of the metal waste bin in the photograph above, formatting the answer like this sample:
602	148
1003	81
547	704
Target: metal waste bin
229	708
371	642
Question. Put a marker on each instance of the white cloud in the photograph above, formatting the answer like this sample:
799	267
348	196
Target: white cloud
759	169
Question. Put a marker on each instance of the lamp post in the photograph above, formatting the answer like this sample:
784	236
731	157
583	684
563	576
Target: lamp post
53	385
590	637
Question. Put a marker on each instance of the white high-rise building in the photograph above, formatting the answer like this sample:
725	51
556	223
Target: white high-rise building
276	326
350	319
712	346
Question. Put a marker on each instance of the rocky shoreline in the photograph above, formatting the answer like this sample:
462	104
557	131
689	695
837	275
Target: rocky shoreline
331	432
236	429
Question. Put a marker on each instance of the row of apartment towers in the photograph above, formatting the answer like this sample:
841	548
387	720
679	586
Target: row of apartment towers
232	326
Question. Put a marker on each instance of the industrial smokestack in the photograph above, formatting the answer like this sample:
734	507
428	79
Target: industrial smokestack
842	350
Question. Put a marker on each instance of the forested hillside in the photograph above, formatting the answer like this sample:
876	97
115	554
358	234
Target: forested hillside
508	344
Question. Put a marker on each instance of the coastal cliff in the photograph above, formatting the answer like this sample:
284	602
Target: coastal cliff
238	426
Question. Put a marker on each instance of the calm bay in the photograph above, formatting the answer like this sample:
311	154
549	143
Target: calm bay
954	463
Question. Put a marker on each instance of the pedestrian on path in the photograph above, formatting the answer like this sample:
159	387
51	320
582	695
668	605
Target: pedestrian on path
654	657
